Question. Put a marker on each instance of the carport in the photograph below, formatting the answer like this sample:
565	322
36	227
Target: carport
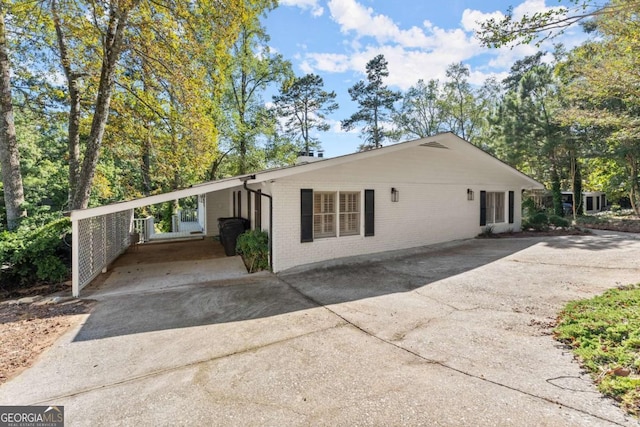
102	234
166	265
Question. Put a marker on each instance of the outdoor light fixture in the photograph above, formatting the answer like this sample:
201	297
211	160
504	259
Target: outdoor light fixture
469	194
395	194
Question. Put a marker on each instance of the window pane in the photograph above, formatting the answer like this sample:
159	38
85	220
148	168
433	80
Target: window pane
495	207
324	218
490	208
349	213
499	207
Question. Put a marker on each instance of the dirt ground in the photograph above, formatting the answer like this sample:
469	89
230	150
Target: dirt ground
28	329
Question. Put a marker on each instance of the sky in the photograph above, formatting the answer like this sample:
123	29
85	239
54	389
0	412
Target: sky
419	38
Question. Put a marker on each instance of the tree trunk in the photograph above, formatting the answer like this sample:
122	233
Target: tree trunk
73	127
634	188
111	54
577	188
556	192
9	154
146	163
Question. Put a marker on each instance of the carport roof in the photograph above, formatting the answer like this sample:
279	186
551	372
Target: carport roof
444	141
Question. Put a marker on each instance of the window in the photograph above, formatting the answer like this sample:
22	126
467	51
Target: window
349	214
324	214
495	207
336	214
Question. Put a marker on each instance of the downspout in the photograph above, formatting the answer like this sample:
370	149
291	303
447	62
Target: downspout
245	179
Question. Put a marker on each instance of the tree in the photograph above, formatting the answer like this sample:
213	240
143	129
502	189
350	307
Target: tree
376	104
527	134
419	115
603	95
461	109
9	155
252	69
541	26
304	105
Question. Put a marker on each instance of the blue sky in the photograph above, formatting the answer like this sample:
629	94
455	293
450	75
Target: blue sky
336	38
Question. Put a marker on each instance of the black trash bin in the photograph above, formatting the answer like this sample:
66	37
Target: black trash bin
230	229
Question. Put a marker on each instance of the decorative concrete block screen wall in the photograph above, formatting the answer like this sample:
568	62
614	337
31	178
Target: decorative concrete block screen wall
97	242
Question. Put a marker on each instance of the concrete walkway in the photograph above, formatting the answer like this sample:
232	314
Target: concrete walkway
454	334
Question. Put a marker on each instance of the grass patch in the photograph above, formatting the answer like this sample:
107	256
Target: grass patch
604	332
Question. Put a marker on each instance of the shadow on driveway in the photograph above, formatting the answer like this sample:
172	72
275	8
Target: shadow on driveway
265	295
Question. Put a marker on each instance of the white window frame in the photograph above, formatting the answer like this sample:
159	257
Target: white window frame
324	214
349	213
496	209
337	214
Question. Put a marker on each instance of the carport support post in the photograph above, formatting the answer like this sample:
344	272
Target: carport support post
75	256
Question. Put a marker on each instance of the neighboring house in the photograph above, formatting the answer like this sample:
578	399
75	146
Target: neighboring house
592	201
411	194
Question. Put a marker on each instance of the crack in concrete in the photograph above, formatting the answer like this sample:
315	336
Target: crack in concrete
180	367
562	264
444	365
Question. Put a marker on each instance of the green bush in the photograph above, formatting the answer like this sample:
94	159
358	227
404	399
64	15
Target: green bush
538	221
35	255
604	332
558	221
253	245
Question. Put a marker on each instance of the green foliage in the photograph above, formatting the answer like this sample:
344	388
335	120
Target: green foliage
558	221
539	221
487	231
253	245
528	207
304	105
35	254
604	333
376	104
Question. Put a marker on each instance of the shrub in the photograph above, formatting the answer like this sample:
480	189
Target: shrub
253	245
604	332
487	231
538	221
558	221
32	255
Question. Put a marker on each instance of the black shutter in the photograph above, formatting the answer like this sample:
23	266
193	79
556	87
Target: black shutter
239	203
306	215
483	208
369	215
512	201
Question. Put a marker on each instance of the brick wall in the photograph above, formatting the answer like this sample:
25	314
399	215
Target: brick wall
432	207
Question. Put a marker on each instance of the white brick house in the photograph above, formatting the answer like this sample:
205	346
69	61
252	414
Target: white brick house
411	194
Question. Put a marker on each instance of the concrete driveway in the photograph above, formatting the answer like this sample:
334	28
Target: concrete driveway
454	334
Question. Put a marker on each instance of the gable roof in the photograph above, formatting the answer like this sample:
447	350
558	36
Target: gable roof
440	141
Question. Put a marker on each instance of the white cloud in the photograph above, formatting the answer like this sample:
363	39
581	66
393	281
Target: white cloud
471	19
419	52
354	17
312	5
